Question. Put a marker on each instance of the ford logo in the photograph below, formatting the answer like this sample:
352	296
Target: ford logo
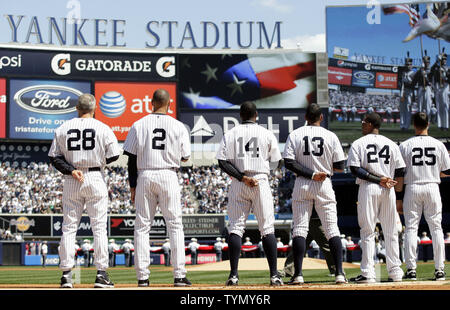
48	99
364	75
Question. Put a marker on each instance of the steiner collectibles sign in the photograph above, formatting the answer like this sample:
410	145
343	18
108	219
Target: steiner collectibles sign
203	226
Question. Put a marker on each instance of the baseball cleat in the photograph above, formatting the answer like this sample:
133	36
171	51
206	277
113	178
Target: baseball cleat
102	281
362	279
341	279
232	281
143	283
276	280
410	275
66	282
394	279
439	275
181	282
296	280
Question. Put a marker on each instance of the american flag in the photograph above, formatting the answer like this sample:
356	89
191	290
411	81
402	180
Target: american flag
411	10
224	81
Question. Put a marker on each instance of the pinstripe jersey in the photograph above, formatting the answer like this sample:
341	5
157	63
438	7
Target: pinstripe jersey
425	158
377	154
314	147
250	148
84	143
159	141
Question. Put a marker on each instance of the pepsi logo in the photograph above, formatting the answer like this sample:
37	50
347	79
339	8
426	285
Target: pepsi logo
112	104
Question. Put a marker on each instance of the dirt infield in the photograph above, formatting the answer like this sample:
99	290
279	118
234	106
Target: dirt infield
261	264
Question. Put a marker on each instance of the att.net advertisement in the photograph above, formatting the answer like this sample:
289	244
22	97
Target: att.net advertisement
38	107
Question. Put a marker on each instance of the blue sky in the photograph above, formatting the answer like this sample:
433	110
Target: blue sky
303	21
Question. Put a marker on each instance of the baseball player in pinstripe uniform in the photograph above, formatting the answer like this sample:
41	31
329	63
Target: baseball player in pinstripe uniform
156	144
80	149
313	153
426	159
376	161
246	153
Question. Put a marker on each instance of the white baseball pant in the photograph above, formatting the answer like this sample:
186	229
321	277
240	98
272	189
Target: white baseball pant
242	199
93	194
376	202
320	194
427	199
158	187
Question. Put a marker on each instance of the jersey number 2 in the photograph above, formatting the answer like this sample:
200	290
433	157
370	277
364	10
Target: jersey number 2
87	137
159	136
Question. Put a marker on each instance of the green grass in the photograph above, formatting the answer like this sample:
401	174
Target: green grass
349	132
163	275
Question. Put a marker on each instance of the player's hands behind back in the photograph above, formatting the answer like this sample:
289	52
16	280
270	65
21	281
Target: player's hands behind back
251	182
78	175
319	176
387	182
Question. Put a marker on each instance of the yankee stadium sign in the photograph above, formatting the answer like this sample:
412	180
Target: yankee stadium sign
75	31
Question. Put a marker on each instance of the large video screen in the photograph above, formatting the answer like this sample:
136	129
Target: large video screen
368	67
213	86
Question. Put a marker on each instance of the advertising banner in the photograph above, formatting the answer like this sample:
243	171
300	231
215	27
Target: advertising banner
120	104
339	76
209	126
38	107
386	80
27	225
224	81
203	226
2	108
123	226
363	78
84	228
152	67
22	154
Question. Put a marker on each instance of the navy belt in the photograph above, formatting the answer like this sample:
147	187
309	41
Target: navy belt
95	169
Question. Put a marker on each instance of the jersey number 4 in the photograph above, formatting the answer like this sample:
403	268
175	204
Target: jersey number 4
382	154
87	137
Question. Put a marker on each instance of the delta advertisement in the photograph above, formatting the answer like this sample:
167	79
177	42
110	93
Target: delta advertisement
368	71
38	107
2	108
120	104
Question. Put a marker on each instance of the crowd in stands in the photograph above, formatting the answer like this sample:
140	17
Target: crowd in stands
342	103
37	189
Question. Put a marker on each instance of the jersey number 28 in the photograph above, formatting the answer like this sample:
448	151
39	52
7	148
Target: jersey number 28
87	137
